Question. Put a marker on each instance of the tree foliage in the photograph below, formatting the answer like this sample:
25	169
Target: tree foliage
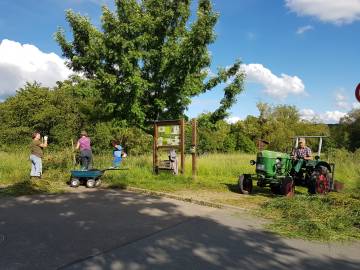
149	59
350	127
37	108
61	112
72	105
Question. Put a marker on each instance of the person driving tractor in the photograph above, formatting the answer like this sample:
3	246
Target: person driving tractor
301	153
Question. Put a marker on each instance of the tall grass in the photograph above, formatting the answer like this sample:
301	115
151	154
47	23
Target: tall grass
215	171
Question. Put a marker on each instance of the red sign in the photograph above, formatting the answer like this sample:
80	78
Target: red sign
357	92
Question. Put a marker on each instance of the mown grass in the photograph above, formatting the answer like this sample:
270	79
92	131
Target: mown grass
332	217
335	216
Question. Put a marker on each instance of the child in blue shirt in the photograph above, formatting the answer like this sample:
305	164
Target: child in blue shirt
117	154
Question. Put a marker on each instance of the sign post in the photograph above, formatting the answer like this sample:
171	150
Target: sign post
193	148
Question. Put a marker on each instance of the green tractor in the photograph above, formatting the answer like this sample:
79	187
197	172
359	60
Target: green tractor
281	172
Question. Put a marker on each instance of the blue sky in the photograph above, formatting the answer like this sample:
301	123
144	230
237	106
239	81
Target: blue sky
296	52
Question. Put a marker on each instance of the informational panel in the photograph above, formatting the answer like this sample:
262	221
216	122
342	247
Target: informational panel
168	135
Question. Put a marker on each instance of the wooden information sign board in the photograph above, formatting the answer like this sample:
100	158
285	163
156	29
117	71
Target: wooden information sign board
168	134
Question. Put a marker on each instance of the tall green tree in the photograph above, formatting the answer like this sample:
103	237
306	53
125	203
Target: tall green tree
149	59
350	125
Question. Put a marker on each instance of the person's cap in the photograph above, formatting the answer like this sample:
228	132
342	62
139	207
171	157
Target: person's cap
302	140
83	133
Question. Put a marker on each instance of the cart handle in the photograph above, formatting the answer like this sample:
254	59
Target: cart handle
115	169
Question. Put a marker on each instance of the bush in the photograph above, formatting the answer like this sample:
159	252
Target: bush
133	140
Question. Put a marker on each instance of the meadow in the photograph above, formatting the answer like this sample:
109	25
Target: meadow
335	216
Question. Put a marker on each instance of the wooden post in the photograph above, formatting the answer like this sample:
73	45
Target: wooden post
73	152
155	150
193	148
182	145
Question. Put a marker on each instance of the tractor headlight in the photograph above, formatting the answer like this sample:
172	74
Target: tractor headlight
252	162
278	163
260	167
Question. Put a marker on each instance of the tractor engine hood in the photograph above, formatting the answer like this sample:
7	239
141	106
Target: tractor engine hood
273	154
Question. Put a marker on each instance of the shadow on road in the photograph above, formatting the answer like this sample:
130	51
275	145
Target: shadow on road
25	187
263	191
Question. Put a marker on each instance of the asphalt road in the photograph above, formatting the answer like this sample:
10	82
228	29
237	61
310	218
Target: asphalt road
108	229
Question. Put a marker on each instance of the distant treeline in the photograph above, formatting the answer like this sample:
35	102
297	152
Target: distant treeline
63	111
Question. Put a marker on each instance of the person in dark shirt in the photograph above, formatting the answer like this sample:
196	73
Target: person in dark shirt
36	155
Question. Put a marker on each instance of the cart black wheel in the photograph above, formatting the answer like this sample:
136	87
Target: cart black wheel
74	182
288	187
97	182
245	184
90	183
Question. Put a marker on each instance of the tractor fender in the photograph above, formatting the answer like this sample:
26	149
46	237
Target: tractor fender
324	164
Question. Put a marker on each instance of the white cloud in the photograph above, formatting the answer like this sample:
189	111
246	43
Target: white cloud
307	114
342	101
20	63
356	105
332	116
278	87
232	119
328	117
303	29
333	11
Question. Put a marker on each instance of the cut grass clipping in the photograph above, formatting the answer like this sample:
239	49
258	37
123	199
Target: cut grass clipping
335	216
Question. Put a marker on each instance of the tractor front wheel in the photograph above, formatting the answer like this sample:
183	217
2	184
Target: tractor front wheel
288	187
245	184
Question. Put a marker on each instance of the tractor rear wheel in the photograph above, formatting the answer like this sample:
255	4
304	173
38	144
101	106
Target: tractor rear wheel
288	187
320	181
245	184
